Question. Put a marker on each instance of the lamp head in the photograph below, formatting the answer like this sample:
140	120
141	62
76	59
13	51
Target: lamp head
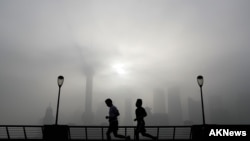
60	80
200	80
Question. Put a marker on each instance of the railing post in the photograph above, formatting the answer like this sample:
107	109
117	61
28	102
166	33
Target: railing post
190	136
86	133
134	134
69	134
24	131
126	131
42	131
8	134
174	134
158	132
102	134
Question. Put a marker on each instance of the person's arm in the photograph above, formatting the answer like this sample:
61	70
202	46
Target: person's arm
136	114
113	114
117	113
145	113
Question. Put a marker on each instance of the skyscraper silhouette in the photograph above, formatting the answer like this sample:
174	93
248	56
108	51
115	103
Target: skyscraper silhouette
159	101
159	116
88	114
128	120
174	106
49	118
194	111
216	111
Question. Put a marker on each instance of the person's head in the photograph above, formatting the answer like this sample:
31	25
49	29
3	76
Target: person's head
108	102
138	103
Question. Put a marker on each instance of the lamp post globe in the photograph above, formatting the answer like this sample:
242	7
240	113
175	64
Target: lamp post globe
60	80
200	80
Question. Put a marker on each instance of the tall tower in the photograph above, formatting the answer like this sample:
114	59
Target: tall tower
128	119
88	114
48	118
174	106
89	90
159	101
88	69
159	115
216	111
194	110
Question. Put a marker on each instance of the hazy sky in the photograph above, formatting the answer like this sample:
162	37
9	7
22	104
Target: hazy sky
133	46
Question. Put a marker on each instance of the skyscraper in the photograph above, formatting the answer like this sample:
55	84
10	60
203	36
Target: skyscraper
194	111
159	116
88	114
174	106
159	101
216	110
49	118
128	120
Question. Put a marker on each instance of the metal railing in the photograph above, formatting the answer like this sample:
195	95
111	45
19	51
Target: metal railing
95	132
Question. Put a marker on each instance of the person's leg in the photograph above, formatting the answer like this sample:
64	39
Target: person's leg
136	135
118	135
148	135
115	130
108	134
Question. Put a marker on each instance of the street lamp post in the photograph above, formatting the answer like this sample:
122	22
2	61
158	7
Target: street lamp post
60	80
200	81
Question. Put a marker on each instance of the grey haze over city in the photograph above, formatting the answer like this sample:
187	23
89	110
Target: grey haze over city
129	49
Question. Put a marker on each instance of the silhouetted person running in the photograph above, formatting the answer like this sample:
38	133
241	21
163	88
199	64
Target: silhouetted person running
113	122
140	114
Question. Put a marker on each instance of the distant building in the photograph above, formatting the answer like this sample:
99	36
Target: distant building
159	115
128	119
217	113
88	115
49	118
156	119
194	111
159	101
174	106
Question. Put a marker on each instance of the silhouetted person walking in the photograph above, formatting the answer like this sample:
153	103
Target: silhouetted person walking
140	114
113	122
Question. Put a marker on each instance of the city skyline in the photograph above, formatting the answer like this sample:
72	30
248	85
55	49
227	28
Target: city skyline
132	48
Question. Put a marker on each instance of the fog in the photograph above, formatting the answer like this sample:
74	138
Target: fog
152	50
